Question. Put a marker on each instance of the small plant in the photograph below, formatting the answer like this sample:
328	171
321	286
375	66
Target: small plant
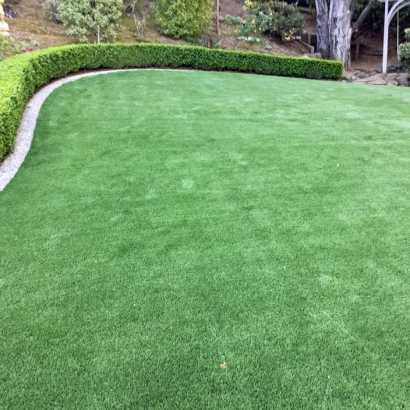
249	5
273	17
232	21
25	47
250	32
209	42
8	47
404	51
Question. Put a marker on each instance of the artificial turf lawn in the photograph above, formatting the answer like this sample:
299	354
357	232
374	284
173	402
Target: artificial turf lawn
165	223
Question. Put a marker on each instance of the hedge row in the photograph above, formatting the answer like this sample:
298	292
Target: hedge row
22	75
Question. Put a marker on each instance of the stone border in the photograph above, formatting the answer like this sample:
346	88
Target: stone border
12	163
394	77
25	133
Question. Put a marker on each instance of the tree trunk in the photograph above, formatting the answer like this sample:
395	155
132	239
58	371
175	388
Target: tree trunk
218	30
323	40
334	29
340	29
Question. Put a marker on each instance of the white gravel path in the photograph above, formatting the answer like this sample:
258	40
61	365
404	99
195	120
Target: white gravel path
13	161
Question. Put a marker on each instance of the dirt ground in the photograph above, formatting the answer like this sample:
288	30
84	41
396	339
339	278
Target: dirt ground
34	23
232	7
371	52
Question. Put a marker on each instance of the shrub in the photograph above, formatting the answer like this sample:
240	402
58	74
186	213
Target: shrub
404	51
21	75
232	20
6	46
87	18
9	47
275	18
209	41
184	19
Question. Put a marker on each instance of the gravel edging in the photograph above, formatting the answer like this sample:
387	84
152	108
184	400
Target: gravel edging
12	163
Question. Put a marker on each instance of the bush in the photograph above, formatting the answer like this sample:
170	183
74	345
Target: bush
404	51
8	47
209	41
275	18
232	20
21	75
184	19
86	18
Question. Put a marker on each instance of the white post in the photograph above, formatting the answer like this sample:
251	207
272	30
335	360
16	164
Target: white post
386	36
4	27
388	16
398	31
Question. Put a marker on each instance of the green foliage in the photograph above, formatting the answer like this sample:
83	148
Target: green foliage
232	20
273	17
9	47
6	46
209	41
87	18
184	19
21	75
404	51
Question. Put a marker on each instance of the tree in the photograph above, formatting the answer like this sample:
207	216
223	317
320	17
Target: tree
334	27
85	18
186	19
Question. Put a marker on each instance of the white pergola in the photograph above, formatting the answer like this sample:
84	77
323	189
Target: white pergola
388	16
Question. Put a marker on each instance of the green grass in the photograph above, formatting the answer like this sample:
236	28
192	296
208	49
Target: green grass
165	223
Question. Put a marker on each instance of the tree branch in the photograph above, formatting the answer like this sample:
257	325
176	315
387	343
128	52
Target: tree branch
362	16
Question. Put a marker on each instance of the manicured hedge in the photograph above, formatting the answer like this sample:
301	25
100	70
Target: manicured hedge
22	75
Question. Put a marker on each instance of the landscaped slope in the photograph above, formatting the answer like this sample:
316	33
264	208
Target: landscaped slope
211	241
